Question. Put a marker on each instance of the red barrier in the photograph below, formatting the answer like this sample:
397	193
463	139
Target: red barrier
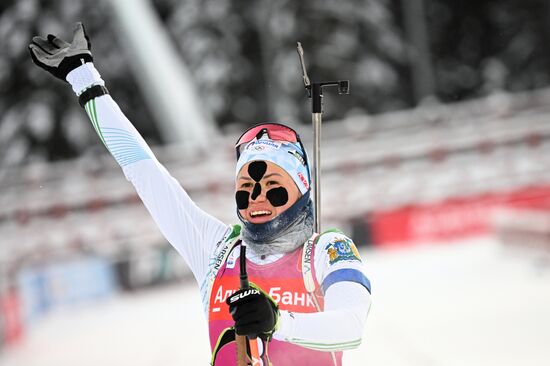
452	218
11	316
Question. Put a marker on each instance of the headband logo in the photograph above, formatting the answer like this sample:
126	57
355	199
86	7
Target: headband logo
260	145
304	180
298	156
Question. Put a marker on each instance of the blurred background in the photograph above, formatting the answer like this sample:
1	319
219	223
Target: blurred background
437	165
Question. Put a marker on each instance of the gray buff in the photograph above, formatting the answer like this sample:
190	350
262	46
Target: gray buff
290	238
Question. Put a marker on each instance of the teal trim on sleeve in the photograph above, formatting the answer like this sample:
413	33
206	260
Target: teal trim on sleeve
122	144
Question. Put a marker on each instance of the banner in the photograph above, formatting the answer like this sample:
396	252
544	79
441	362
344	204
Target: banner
452	218
11	327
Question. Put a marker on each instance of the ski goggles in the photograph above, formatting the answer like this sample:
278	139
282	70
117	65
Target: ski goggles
275	132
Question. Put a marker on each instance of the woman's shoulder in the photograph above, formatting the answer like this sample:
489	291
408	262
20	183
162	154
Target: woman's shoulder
336	247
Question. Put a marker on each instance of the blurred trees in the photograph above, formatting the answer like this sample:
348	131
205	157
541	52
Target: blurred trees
243	57
482	46
245	60
40	118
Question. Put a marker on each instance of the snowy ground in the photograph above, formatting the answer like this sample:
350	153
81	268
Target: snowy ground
469	303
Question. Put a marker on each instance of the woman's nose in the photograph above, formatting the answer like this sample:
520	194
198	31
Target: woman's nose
258	194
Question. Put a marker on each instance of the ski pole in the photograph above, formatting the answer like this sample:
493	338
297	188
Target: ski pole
242	355
252	340
315	93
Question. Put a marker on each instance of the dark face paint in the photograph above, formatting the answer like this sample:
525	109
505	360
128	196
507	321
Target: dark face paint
256	191
277	196
257	169
242	199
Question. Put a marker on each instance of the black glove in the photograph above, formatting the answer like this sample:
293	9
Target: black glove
59	57
255	313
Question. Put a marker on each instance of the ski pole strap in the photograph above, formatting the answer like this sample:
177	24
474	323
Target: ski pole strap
231	240
227	336
307	272
309	281
91	93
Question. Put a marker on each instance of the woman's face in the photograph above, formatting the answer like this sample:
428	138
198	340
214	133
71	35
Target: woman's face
263	191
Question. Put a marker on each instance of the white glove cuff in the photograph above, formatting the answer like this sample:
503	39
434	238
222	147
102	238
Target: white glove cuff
84	77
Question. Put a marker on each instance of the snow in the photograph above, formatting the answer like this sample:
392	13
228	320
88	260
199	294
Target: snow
464	303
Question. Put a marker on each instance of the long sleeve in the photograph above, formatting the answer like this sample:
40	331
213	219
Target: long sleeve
339	327
190	230
342	277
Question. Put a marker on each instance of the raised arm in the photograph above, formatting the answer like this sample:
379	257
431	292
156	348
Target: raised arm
190	230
